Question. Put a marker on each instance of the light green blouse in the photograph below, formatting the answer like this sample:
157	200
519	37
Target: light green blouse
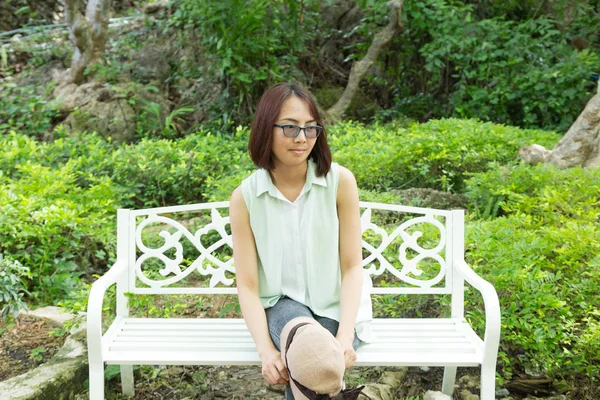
323	275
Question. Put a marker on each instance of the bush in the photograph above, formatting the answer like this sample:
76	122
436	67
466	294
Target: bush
439	154
26	108
165	172
13	285
150	173
543	191
485	61
251	54
55	228
546	277
543	257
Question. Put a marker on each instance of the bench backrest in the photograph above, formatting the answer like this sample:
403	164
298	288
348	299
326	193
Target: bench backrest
187	249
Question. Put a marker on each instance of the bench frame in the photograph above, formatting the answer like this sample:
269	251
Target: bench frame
456	273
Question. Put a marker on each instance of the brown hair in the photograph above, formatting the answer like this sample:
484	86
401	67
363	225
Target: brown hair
267	111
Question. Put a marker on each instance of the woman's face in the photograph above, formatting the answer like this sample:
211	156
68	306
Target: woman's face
291	152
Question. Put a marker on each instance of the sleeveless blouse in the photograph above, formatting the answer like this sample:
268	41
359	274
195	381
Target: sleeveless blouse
297	245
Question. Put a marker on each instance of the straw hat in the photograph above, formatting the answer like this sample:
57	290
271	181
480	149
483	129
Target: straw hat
314	360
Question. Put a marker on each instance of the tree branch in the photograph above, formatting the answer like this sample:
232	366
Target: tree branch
88	34
360	68
580	146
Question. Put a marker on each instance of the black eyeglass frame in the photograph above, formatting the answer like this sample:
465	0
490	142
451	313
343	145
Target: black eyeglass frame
299	128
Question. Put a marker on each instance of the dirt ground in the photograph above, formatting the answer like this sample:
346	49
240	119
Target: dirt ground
24	344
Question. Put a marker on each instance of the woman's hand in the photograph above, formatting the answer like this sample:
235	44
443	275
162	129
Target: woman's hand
349	353
273	369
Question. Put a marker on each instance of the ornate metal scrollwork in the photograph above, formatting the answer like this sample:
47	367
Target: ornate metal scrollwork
409	241
205	264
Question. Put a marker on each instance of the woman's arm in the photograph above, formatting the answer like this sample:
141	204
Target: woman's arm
350	260
246	269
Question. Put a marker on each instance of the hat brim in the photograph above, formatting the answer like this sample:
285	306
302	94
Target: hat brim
283	340
286	331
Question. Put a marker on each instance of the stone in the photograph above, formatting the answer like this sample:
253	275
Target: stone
430	198
64	372
469	382
110	110
115	119
56	315
431	395
151	63
467	395
376	391
534	154
152	8
201	96
394	378
500	393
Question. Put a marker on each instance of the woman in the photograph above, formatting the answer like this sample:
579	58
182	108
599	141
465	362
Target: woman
296	233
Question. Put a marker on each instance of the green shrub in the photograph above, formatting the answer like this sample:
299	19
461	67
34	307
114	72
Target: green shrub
13	276
439	154
543	257
26	108
506	62
519	73
55	228
256	42
546	276
148	174
164	172
545	192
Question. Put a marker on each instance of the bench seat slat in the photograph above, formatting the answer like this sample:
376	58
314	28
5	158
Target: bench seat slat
248	339
181	341
364	359
236	321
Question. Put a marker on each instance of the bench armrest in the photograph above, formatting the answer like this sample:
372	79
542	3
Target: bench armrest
94	308
492	309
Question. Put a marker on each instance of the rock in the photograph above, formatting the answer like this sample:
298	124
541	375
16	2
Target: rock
155	7
151	63
70	96
431	395
64	372
469	382
394	378
466	395
56	315
534	154
344	15
110	110
376	391
202	96
115	119
431	198
500	393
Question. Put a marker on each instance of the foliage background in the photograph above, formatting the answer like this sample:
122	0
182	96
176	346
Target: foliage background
446	107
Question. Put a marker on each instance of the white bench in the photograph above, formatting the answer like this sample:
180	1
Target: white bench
436	268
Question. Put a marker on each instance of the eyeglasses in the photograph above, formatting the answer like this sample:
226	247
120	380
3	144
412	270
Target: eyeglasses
292	131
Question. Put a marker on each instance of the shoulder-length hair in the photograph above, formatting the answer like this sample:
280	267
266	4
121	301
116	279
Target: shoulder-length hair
261	135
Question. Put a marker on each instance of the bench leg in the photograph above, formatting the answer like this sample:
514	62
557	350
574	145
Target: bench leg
488	383
449	380
97	381
127	380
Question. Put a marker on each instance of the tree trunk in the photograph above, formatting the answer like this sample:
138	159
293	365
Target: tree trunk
88	34
579	147
360	68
